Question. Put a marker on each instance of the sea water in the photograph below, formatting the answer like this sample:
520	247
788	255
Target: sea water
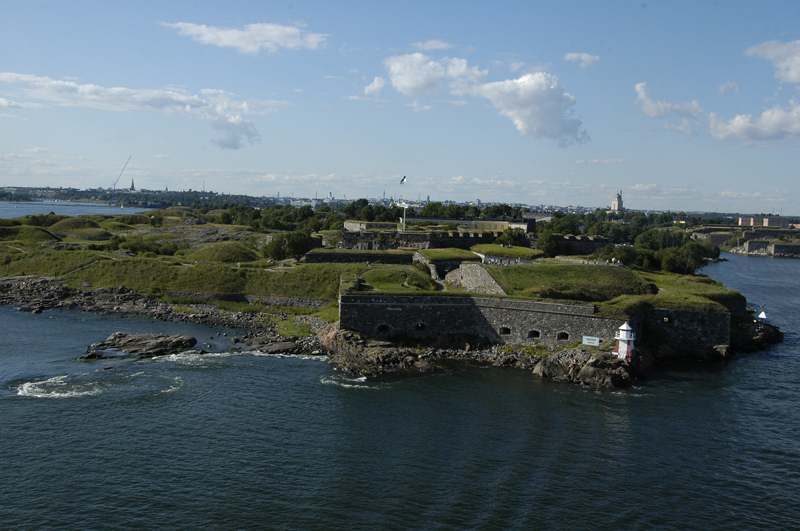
238	440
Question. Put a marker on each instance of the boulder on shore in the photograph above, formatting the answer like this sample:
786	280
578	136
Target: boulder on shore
122	345
579	366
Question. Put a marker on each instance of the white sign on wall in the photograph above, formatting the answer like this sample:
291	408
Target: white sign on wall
591	341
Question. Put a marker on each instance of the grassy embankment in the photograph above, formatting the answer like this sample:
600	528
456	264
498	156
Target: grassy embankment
492	249
617	291
223	267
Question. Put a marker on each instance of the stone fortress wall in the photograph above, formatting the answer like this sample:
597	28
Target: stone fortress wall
520	322
474	278
416	240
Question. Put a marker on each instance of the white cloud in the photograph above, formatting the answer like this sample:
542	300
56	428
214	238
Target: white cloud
8	104
728	85
642	187
37	149
375	88
516	66
738	195
162	156
602	162
683	126
417	107
212	104
417	74
431	45
660	109
773	124
784	55
252	38
537	105
586	60
234	130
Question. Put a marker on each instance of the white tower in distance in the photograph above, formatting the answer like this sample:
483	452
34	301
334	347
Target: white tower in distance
616	203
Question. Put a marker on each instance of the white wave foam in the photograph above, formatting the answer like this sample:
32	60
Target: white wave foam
350	382
58	387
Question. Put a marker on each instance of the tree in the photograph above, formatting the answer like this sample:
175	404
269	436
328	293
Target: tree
512	237
298	244
454	211
433	210
548	243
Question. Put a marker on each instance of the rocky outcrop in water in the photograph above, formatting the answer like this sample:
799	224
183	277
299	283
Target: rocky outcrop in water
122	345
599	369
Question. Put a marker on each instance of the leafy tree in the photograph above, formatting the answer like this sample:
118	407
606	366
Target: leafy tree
548	243
433	210
512	236
454	211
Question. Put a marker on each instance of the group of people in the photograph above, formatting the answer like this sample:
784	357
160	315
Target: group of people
505	262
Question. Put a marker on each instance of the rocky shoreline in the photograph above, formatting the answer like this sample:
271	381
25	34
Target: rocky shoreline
347	350
37	294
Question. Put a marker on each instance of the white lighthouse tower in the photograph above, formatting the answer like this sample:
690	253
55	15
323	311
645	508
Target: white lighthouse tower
624	337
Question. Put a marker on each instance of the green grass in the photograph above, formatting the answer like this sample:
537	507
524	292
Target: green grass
569	281
508	252
227	252
398	277
291	328
115	226
329	313
27	234
448	254
88	234
69	225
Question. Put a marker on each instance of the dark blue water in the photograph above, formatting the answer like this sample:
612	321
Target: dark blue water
19	209
241	441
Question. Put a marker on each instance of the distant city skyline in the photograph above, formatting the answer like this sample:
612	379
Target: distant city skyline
682	106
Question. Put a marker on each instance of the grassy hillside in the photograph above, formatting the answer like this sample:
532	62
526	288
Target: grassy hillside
228	252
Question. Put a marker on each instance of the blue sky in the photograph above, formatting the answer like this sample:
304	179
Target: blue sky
681	105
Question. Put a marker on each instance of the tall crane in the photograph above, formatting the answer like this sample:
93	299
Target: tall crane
114	186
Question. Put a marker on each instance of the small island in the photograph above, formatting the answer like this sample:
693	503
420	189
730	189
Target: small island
377	297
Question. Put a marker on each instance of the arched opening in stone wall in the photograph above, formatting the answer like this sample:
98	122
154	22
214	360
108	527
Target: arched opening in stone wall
504	330
383	329
420	327
534	334
562	336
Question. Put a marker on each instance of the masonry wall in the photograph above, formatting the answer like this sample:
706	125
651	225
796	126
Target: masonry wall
522	322
356	257
420	240
474	278
785	249
681	328
496	320
756	245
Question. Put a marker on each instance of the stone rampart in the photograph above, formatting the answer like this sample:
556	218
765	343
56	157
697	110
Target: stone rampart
356	257
474	278
419	240
437	317
784	249
491	319
688	330
752	246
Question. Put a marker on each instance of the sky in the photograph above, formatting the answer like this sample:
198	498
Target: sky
681	105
